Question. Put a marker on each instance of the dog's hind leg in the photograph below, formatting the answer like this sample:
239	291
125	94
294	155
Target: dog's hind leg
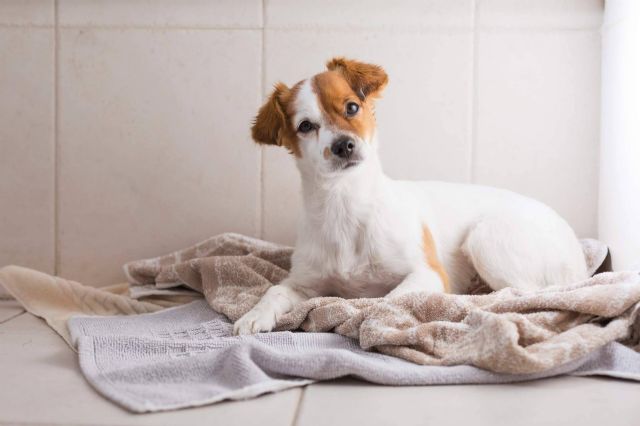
515	249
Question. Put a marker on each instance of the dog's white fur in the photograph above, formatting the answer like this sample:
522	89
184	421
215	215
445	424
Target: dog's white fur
361	233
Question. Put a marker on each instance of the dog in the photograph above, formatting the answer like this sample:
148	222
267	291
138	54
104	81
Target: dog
363	234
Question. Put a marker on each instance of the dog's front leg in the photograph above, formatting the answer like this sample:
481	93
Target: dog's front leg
278	300
422	278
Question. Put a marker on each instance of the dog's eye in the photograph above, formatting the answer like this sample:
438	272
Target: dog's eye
305	127
352	109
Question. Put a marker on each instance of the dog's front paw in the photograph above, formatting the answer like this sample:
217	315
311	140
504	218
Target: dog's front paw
254	321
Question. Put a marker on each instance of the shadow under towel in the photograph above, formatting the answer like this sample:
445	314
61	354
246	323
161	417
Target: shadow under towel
508	331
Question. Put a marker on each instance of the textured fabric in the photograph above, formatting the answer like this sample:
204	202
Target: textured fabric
508	331
55	299
185	356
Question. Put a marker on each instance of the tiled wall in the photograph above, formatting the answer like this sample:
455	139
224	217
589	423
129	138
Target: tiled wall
124	126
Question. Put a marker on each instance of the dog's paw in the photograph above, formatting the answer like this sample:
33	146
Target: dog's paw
254	321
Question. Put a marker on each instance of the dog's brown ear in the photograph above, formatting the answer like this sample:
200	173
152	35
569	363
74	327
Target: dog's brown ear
365	79
270	123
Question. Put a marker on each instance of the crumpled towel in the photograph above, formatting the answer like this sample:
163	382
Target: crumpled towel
508	331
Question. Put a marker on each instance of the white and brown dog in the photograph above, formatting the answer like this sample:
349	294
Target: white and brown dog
363	234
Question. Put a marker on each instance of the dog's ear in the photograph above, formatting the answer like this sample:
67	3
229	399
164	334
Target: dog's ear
365	79
270	124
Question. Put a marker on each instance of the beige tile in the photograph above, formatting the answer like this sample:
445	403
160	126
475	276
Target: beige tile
538	119
9	309
161	13
560	401
155	152
423	117
370	14
27	12
41	383
569	14
26	147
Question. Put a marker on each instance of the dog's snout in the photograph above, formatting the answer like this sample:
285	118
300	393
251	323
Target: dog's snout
343	147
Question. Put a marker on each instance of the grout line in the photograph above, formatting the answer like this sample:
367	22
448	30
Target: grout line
26	26
473	125
385	29
541	29
157	27
56	154
6	320
296	413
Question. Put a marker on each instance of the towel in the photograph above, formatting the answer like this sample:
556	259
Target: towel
508	331
56	299
186	356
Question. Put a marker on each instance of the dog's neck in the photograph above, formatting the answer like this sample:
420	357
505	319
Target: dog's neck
350	193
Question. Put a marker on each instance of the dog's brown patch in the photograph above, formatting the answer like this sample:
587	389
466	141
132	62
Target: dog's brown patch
334	92
431	257
346	81
366	80
272	125
350	81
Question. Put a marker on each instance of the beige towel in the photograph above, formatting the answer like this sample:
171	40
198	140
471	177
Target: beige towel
508	331
56	299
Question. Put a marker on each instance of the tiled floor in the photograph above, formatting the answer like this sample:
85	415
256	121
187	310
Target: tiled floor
40	383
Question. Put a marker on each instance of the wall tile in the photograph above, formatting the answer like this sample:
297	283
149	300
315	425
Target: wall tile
423	117
520	14
618	11
404	14
27	12
162	13
538	119
27	148
155	152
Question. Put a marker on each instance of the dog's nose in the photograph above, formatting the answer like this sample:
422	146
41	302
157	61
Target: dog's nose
343	147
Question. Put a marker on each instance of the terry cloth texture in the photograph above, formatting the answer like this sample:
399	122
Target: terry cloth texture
186	356
508	331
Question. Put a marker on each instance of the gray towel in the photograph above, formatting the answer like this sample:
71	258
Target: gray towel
186	356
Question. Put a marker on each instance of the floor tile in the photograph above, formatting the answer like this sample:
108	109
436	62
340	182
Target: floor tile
561	401
9	309
41	383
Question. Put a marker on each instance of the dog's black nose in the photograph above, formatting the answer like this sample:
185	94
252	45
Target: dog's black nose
343	147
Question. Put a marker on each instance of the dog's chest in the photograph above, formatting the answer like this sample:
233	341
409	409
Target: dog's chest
361	260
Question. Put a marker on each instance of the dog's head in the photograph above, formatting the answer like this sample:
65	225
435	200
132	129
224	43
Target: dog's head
326	121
